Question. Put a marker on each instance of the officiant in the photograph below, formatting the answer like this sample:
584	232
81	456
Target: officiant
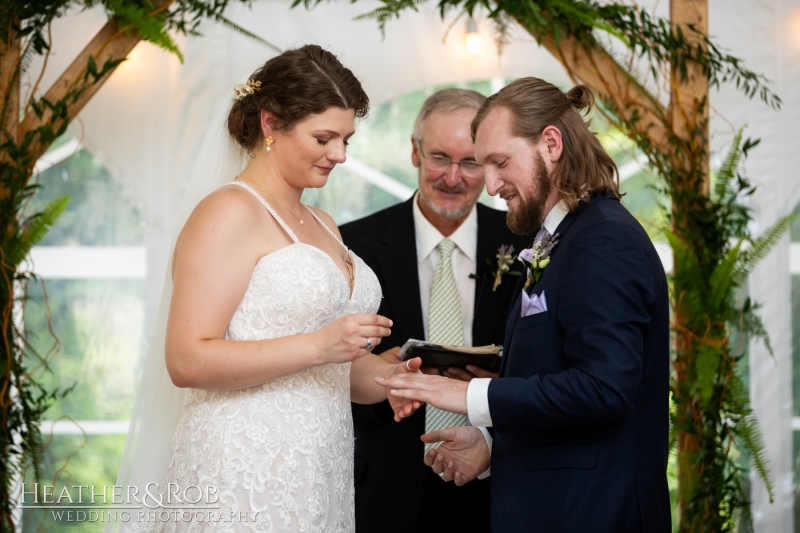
437	257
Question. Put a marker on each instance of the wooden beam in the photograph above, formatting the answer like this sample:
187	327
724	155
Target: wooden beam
688	110
689	97
110	43
9	86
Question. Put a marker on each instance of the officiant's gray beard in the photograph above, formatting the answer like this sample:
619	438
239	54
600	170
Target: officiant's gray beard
529	216
456	213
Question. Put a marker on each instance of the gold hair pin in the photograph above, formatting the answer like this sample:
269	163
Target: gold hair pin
240	90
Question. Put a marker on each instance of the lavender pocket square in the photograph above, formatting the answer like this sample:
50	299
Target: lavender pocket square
532	304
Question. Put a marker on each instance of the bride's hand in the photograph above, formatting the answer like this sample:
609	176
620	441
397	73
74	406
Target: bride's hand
403	407
351	337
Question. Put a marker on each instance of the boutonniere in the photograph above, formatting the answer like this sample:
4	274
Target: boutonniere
505	258
537	257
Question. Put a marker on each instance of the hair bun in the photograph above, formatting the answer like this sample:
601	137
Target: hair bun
581	97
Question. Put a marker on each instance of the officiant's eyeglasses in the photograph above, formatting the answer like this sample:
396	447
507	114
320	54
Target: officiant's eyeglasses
440	163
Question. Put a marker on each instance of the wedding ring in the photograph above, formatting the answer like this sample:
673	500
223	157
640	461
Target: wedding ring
408	367
369	344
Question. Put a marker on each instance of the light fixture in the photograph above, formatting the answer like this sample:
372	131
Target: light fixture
474	43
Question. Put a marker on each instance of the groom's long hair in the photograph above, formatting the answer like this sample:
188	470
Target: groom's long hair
585	168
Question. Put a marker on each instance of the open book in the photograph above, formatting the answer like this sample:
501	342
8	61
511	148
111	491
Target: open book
445	355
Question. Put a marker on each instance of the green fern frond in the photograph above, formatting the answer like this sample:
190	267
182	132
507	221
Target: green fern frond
11	116
753	326
753	441
390	10
152	28
727	171
35	229
720	283
681	251
761	246
38	227
247	33
706	370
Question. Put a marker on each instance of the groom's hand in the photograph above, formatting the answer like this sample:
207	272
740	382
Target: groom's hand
469	374
463	455
445	393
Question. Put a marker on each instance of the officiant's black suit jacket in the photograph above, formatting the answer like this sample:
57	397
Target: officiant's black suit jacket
395	491
581	409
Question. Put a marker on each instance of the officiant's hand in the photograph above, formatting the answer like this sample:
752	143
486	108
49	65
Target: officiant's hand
469	374
462	456
392	355
445	393
403	407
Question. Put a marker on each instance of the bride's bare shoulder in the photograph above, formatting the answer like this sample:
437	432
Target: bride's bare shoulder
227	205
227	212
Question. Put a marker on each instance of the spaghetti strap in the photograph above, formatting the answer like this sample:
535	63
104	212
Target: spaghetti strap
268	207
313	214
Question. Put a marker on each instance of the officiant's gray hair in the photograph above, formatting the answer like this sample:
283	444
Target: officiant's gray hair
446	101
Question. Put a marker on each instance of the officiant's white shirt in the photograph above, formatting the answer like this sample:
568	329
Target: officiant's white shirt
464	263
478	389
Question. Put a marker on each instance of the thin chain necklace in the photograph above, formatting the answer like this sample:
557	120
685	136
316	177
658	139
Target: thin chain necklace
273	199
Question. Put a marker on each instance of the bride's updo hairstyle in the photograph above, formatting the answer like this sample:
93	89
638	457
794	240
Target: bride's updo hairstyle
294	85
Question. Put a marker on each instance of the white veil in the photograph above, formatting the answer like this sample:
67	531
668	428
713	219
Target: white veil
159	403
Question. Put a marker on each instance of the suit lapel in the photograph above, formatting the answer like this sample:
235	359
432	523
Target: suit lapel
396	256
564	225
488	310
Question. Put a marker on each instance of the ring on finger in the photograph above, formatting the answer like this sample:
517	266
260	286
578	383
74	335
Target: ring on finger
408	367
369	343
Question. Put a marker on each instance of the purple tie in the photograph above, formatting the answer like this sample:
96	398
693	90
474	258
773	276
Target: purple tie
543	234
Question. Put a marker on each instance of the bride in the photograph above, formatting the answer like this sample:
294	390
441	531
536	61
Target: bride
269	322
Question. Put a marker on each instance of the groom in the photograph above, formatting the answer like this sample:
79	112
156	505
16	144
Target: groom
575	429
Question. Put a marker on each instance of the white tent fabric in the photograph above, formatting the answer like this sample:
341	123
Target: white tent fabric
147	121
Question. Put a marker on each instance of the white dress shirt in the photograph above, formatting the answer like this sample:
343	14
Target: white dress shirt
466	241
478	389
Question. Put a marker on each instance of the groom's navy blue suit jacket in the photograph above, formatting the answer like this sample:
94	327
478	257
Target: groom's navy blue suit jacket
580	412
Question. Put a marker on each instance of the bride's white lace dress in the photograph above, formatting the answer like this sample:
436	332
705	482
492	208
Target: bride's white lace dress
284	449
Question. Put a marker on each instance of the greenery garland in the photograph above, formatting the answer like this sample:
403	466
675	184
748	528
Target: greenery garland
709	230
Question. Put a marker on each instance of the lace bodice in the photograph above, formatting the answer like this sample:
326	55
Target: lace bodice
283	449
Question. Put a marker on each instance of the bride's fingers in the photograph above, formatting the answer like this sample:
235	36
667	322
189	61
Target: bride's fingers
375	331
373	320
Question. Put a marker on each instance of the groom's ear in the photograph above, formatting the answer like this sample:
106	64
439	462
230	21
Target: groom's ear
268	121
552	143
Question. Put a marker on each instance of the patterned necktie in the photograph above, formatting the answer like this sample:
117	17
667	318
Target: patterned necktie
542	235
444	326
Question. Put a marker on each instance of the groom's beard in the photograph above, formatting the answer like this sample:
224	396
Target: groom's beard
529	215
